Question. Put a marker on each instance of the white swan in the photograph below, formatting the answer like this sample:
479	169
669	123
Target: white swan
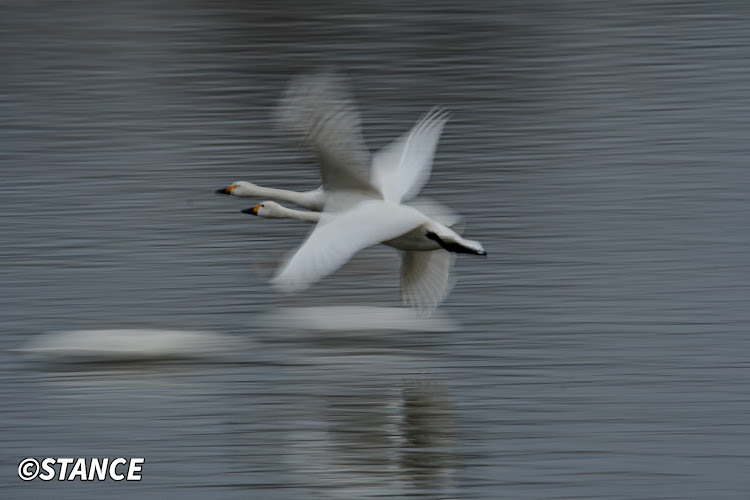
415	149
425	265
365	195
340	234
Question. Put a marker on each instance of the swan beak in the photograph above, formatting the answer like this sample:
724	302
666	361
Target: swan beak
252	211
226	190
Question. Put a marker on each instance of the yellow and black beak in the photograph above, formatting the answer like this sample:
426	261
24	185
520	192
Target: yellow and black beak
226	190
253	211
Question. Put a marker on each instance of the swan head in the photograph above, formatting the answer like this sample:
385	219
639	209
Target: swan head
239	188
266	209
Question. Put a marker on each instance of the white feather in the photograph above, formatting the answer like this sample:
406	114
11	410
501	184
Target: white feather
426	278
425	274
340	235
402	168
319	110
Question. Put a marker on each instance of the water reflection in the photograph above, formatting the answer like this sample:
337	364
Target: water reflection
324	413
428	429
377	441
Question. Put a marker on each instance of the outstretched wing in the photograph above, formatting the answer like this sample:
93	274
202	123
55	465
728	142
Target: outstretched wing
426	278
338	236
402	168
320	111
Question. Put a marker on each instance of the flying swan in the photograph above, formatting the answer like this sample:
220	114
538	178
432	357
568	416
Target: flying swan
425	265
318	110
425	135
363	193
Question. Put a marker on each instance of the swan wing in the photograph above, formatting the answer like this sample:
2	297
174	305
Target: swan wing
426	278
319	110
338	236
401	169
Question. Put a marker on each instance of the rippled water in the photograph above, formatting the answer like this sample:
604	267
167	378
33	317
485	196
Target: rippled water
599	152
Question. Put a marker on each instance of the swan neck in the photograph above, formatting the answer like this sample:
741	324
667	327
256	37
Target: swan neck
305	199
312	217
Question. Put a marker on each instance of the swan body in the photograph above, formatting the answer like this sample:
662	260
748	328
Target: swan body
339	235
415	240
425	261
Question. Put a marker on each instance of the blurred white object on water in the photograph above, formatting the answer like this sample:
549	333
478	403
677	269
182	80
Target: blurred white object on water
125	345
359	318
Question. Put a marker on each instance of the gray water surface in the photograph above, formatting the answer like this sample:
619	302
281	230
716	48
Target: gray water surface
597	150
